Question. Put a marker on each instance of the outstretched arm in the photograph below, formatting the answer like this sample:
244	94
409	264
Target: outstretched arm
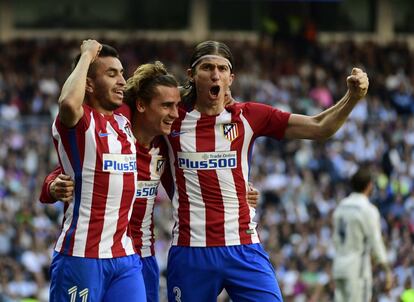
325	124
73	91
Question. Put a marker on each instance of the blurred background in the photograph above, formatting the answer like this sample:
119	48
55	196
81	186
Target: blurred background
293	55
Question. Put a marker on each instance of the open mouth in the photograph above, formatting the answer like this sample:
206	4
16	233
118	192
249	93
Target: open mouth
119	92
215	90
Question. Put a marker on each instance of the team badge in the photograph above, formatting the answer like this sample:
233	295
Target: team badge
230	131
160	165
127	130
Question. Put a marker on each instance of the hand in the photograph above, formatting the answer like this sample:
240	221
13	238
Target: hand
91	47
62	188
357	84
228	99
252	196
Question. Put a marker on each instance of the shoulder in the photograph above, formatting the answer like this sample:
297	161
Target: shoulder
247	107
124	110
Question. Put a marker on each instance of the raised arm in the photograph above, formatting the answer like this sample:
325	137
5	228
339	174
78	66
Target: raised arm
325	124
73	91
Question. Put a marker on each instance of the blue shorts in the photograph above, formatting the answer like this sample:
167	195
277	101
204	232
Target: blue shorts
200	274
151	274
89	279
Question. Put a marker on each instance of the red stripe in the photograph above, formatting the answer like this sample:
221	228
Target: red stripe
239	181
210	188
140	205
64	134
80	142
127	197
80	138
99	197
183	204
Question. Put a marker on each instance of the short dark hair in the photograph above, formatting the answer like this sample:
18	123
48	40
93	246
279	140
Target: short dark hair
361	179
106	51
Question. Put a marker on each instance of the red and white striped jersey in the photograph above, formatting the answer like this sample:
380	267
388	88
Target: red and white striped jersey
210	158
99	154
151	164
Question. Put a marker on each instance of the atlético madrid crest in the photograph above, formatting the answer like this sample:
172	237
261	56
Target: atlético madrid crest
160	165
230	131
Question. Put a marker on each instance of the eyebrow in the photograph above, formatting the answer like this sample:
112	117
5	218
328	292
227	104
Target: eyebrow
113	69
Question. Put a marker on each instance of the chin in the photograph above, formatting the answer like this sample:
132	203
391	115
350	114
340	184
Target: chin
166	131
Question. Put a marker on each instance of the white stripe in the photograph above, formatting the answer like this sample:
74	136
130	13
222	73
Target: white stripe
174	200
147	220
227	185
68	169
88	173
146	229
127	242
248	134
113	201
193	189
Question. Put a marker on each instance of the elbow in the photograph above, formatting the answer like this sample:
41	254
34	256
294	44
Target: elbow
69	112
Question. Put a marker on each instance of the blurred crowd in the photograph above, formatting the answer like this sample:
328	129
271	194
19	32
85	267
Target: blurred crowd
300	182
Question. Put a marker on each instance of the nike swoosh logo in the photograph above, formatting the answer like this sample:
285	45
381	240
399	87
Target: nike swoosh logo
103	134
175	133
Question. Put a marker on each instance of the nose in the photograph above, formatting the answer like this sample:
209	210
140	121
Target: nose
174	112
121	80
215	74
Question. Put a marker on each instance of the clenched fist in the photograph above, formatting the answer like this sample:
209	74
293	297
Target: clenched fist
357	84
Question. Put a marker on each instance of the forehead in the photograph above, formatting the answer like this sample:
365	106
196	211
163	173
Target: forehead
107	63
167	94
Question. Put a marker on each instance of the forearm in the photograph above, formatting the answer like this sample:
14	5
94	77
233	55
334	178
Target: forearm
333	118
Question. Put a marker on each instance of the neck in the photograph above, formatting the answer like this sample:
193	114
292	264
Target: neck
98	107
212	108
141	134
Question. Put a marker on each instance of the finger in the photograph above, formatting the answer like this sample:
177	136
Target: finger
64	177
356	70
64	183
253	194
66	199
63	192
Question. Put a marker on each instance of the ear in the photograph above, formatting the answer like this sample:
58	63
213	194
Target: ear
89	85
190	74
140	105
231	79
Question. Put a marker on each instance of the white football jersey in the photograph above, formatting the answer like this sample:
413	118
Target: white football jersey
357	236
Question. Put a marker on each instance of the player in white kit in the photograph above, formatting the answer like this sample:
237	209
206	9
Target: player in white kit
357	236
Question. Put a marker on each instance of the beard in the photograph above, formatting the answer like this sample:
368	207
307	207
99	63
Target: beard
106	102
